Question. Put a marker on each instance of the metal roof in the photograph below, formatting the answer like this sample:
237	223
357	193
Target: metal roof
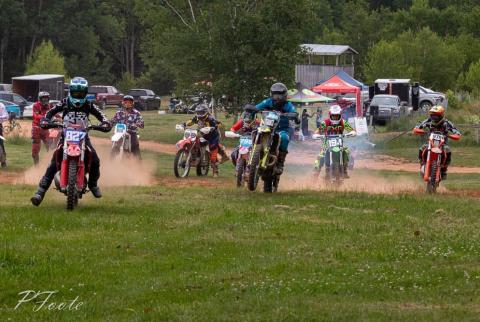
328	50
393	80
38	77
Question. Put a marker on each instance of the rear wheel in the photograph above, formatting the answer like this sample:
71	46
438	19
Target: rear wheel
241	165
254	173
181	164
72	194
204	165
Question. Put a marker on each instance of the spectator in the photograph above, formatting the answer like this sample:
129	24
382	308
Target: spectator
3	117
318	116
305	117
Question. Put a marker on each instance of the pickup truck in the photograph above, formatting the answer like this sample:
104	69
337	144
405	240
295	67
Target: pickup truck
144	99
104	95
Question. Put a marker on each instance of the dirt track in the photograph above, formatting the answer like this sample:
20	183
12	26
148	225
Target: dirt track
126	173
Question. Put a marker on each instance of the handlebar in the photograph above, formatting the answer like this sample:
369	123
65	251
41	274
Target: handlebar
54	125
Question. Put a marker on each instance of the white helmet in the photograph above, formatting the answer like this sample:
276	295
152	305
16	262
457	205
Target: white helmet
335	114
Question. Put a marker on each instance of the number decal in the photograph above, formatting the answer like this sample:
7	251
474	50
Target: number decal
74	136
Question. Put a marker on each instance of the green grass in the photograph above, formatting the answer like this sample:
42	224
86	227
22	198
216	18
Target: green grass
19	153
186	254
180	251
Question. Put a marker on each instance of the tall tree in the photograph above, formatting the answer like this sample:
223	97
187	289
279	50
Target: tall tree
46	60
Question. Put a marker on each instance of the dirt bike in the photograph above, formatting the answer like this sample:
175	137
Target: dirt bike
433	158
264	154
241	169
71	180
121	141
334	155
192	151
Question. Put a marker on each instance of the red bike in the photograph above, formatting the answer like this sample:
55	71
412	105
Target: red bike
192	151
73	160
433	158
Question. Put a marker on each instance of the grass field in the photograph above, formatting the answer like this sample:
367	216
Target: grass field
200	250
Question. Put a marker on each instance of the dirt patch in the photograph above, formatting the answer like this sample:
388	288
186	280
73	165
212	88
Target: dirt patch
144	145
358	182
114	172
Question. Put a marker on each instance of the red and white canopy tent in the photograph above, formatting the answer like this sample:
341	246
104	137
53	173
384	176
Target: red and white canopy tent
337	85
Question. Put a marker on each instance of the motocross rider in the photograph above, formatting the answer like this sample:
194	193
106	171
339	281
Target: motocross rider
278	102
39	135
203	119
334	124
437	122
133	119
75	109
247	123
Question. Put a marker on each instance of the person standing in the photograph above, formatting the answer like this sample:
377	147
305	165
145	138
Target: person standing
3	118
39	135
318	116
305	117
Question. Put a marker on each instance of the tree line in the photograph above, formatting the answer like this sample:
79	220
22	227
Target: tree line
239	46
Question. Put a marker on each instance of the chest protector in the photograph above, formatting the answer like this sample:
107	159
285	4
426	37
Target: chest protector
334	128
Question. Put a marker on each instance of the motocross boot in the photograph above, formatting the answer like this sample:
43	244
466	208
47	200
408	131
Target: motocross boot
42	189
443	170
215	169
223	154
96	192
345	172
282	155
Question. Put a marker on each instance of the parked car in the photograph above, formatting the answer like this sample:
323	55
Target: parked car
145	99
15	98
28	111
429	98
104	95
387	107
11	107
6	87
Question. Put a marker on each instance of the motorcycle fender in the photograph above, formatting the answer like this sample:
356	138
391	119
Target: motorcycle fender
431	157
336	149
64	174
264	129
243	150
116	137
182	144
73	150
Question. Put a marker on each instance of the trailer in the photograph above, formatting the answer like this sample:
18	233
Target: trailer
399	87
30	85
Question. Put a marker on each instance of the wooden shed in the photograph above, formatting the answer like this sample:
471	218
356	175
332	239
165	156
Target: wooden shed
322	61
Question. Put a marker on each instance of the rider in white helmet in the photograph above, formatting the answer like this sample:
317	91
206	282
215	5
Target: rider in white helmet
334	124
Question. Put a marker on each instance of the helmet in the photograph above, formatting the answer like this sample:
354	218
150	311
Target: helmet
78	90
278	93
249	114
127	101
44	98
437	114
201	111
335	114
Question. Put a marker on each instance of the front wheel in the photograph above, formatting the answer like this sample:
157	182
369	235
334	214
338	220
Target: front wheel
254	173
72	194
181	164
432	181
241	166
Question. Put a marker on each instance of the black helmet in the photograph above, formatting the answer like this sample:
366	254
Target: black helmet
249	114
278	93
201	111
